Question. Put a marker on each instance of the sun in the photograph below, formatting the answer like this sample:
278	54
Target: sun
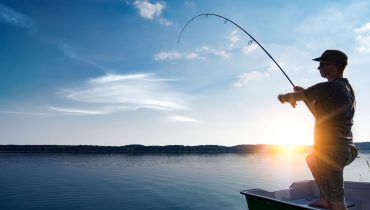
292	131
287	129
288	147
290	134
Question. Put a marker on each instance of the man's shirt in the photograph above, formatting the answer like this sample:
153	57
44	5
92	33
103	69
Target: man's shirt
334	111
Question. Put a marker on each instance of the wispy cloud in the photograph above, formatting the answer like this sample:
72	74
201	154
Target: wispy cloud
165	22
245	78
115	78
113	93
200	53
250	48
363	38
152	11
87	111
15	18
71	52
189	3
205	51
68	50
364	28
233	39
149	10
25	113
174	55
327	21
333	21
179	118
77	111
216	52
170	55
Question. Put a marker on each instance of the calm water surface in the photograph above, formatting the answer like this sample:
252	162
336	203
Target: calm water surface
189	182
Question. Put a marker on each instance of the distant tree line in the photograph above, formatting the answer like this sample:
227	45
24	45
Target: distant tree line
137	148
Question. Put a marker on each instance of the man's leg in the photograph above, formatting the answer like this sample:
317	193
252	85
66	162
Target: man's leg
322	202
310	159
331	163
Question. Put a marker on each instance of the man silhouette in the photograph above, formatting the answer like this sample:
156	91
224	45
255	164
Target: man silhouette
333	106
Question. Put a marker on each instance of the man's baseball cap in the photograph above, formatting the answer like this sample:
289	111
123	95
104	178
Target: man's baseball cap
334	56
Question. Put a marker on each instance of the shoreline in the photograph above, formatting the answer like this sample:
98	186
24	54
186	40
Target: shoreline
168	149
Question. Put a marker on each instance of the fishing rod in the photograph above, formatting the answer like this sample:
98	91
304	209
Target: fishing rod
228	20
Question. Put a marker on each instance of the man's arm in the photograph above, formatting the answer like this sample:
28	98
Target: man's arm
298	95
310	105
292	97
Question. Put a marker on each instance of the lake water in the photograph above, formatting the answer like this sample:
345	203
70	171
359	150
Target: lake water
163	182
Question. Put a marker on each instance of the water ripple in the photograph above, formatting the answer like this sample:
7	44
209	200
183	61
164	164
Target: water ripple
191	182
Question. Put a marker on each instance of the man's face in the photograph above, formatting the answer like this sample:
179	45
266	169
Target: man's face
326	69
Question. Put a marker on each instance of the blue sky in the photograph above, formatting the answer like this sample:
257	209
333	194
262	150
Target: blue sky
112	73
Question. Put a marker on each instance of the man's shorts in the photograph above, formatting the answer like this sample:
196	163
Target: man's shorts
329	164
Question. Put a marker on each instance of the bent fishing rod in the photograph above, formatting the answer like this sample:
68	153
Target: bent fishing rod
228	20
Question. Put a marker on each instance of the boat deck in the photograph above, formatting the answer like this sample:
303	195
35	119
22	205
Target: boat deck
351	205
300	194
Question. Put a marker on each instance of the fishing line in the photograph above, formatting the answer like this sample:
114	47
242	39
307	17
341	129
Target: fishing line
250	42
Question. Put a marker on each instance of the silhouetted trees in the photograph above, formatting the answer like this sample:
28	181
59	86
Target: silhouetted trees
137	148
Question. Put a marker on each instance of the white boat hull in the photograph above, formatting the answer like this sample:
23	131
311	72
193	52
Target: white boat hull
300	194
